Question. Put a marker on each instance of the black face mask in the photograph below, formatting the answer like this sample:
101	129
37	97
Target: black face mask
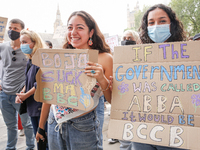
128	42
13	35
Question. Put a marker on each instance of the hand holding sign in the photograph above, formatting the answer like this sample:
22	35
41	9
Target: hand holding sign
61	80
94	70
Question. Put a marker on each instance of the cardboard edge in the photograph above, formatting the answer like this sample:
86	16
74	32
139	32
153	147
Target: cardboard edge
93	53
37	91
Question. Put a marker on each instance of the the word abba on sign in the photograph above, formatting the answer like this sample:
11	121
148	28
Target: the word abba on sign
156	94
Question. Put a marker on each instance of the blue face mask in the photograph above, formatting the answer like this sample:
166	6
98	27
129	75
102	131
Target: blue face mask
26	49
159	33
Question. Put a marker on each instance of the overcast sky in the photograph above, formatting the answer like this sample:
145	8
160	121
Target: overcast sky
40	15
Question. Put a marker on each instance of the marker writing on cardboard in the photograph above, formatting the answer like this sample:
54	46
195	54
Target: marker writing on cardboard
188	72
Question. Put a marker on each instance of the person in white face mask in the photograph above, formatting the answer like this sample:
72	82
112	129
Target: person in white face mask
159	24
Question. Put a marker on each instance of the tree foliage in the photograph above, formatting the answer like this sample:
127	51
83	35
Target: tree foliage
188	12
138	17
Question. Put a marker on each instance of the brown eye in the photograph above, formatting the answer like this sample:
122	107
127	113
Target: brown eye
162	21
69	28
80	28
151	23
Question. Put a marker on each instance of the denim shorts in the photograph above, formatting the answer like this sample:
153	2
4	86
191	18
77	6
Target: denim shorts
76	134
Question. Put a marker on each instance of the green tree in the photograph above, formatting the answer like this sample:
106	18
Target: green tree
188	12
138	17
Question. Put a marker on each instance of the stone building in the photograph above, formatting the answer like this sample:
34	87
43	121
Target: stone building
57	37
130	15
58	21
57	42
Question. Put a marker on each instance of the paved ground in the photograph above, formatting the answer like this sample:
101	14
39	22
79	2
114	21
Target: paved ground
21	140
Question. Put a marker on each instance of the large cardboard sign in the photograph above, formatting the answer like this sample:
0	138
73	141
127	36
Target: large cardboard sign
112	42
60	32
3	23
156	94
61	79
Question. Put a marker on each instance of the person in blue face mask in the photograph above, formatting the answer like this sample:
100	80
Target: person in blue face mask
159	24
30	43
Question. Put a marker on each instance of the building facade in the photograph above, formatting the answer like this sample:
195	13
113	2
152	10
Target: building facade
131	15
58	21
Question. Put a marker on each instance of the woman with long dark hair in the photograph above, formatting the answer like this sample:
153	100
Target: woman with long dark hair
159	24
82	131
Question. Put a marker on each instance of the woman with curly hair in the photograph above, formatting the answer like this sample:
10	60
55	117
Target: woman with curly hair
161	20
159	24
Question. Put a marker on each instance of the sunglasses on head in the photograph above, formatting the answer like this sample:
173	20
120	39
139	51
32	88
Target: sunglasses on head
14	53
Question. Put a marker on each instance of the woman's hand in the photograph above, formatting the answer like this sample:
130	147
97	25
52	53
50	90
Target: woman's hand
102	72
95	70
17	99
22	96
38	137
111	82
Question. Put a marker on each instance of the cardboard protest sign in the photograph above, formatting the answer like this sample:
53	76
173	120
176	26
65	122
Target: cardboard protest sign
3	23
112	42
60	32
61	79
156	94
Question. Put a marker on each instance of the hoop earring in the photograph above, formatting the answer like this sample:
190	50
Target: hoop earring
90	43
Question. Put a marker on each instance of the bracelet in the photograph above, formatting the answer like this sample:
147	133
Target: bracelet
106	87
41	131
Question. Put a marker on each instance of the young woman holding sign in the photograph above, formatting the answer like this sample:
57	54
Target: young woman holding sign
159	24
30	43
81	132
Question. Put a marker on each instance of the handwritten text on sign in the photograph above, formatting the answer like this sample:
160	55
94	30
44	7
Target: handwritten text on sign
157	84
3	23
63	81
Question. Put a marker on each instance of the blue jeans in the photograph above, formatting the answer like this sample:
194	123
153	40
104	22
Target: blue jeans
142	146
80	133
100	116
126	145
10	115
35	123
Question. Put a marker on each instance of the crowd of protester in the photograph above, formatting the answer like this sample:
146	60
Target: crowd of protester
18	81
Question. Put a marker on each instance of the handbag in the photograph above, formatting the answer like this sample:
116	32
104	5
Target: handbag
23	106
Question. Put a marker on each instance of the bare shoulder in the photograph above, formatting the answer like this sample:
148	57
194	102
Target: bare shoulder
105	57
106	60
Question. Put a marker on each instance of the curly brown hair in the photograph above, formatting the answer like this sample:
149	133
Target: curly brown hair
97	38
176	27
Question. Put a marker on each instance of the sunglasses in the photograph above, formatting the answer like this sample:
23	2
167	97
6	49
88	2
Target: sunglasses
14	58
